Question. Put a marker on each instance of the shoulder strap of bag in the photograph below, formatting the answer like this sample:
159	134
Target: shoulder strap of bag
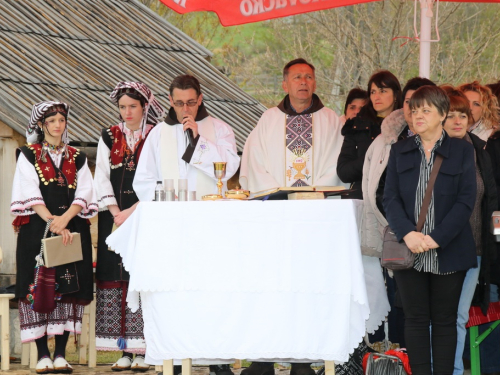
428	192
39	257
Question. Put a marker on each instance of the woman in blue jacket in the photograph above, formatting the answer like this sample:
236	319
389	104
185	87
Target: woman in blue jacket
445	248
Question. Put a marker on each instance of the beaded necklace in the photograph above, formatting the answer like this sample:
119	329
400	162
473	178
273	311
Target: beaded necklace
52	148
48	148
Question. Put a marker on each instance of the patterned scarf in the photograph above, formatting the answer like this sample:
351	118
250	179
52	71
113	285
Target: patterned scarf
153	110
38	113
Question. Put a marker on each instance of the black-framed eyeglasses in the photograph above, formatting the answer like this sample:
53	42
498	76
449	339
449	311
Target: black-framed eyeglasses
189	103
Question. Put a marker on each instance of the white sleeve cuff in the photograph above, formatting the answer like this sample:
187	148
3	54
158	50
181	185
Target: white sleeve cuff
23	208
105	201
88	210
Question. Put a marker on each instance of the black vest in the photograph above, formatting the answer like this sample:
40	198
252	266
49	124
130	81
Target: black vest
109	264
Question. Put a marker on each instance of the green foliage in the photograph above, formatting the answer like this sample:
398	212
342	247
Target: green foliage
347	45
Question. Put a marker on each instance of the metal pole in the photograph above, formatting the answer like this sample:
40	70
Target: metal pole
425	44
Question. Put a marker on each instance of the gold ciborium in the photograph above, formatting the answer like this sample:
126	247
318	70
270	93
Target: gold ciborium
220	173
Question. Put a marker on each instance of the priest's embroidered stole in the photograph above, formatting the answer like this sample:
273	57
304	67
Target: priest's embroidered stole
299	150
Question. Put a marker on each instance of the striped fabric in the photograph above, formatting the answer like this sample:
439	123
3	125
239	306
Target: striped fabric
426	261
153	108
37	114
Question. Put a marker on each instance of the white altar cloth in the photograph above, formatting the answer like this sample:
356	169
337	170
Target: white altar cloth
260	280
374	281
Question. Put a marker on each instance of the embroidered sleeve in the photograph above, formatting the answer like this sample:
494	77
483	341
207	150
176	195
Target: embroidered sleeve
25	190
104	189
85	195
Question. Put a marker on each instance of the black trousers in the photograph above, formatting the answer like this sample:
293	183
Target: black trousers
430	304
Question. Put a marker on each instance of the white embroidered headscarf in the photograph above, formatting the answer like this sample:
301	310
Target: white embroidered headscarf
41	111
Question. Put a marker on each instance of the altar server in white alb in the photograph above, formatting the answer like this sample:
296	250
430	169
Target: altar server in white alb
167	153
296	143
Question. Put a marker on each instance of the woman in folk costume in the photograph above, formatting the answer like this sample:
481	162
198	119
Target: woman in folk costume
118	152
52	182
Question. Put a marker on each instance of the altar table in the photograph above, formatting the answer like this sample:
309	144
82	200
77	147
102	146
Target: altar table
246	279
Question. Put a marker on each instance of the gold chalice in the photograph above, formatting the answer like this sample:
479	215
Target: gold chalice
220	173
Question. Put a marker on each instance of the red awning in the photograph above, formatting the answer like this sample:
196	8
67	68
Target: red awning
237	12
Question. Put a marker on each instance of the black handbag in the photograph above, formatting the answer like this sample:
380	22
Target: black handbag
396	255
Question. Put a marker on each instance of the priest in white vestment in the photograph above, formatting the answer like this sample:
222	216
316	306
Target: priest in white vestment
167	153
296	143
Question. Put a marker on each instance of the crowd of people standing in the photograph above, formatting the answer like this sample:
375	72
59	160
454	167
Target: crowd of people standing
383	147
456	253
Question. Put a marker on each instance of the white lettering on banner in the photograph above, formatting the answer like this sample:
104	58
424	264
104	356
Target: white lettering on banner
280	4
258	7
246	8
254	7
182	3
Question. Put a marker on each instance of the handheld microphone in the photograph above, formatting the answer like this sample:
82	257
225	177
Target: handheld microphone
189	133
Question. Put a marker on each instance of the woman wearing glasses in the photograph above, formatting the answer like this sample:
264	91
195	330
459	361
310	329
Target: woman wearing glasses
118	153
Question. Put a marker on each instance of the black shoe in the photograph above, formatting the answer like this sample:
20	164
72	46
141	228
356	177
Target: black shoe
259	368
302	369
220	370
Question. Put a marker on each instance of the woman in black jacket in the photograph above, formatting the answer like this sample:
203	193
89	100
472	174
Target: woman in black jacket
456	124
445	248
359	132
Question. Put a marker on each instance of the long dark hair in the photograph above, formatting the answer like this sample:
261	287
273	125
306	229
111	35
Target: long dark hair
355	93
381	79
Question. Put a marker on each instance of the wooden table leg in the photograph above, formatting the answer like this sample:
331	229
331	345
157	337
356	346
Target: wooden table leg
92	348
83	342
329	368
168	367
25	354
187	366
33	354
4	313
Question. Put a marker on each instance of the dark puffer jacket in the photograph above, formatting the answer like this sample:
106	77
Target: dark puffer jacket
359	134
488	205
493	148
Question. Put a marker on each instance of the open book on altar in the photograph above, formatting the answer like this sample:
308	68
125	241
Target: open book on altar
282	192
